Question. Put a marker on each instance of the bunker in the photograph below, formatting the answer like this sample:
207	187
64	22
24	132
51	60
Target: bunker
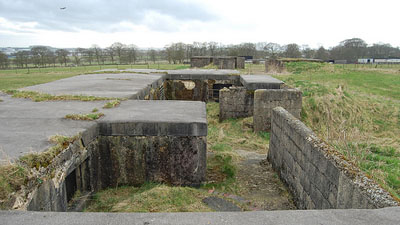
168	137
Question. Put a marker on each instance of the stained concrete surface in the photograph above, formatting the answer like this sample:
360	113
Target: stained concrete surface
387	216
121	85
26	125
254	82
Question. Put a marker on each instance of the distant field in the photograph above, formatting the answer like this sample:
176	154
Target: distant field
17	78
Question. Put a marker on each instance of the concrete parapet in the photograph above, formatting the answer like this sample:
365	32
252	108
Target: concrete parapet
267	99
235	102
254	82
317	175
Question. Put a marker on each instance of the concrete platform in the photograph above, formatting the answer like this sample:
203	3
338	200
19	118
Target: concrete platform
155	118
123	85
187	74
26	126
387	216
254	82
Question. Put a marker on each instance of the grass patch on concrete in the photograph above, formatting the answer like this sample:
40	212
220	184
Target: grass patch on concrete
149	197
15	176
40	97
357	111
44	159
112	104
88	117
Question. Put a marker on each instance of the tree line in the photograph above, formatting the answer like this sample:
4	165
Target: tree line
118	53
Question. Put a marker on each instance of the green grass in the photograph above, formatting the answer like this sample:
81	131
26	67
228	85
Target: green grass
356	110
40	97
150	197
12	178
89	116
112	104
44	159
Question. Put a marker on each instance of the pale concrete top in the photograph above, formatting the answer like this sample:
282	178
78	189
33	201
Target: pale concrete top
121	85
387	216
254	82
26	125
187	74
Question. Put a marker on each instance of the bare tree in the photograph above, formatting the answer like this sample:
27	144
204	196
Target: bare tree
152	54
62	55
111	53
89	54
273	49
22	58
118	48
322	54
3	61
98	52
292	51
39	55
77	54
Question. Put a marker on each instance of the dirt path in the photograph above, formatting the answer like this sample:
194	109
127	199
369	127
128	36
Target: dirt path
259	187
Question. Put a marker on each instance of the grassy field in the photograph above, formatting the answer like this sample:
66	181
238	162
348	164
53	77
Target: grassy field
13	79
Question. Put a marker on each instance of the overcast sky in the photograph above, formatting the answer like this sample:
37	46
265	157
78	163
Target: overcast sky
156	23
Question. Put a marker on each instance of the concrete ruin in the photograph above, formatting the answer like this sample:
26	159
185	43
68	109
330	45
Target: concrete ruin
222	62
175	130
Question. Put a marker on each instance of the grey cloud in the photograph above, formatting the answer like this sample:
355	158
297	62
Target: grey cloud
99	14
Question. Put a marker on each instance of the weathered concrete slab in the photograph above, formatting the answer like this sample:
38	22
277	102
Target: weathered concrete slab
387	216
254	82
119	85
203	74
26	126
156	118
188	74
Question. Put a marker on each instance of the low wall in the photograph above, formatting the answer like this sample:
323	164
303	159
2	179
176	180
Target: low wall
267	99
235	102
317	176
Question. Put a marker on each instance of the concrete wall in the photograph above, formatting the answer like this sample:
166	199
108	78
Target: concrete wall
240	63
195	89
235	102
267	99
199	62
317	176
222	62
133	160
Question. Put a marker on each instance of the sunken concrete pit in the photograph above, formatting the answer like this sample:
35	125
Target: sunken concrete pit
166	141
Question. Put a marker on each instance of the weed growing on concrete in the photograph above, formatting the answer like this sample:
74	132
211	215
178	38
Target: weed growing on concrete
40	97
95	110
12	178
112	104
44	159
89	116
